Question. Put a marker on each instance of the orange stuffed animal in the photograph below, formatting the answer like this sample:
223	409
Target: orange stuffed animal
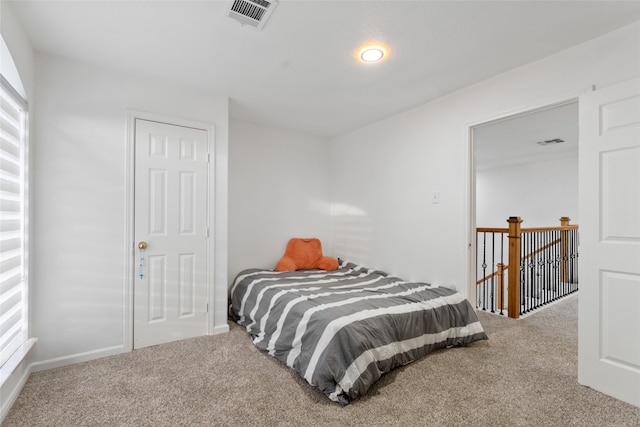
302	254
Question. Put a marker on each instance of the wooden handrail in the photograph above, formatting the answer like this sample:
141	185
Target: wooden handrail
484	279
557	228
495	273
525	230
492	230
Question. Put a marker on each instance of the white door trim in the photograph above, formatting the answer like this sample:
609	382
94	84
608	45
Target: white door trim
471	173
129	250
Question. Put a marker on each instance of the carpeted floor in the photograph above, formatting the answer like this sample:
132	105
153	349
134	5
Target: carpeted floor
524	375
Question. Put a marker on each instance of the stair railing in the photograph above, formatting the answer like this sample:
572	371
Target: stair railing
547	266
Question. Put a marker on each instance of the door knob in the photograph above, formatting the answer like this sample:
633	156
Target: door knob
142	246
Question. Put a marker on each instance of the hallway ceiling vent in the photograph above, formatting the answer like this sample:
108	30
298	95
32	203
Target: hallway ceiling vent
551	141
251	12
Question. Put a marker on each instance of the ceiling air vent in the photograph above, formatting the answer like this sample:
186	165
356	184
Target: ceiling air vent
551	141
251	12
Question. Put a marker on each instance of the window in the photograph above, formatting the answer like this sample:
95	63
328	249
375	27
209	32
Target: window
13	221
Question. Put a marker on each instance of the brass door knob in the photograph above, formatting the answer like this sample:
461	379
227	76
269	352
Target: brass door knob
142	246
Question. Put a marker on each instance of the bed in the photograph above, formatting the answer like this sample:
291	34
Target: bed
342	330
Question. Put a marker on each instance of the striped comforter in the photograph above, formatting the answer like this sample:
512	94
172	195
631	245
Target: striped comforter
341	330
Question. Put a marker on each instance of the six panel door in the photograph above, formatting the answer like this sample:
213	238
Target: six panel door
609	180
171	175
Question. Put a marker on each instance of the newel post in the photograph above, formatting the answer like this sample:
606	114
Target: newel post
513	308
564	250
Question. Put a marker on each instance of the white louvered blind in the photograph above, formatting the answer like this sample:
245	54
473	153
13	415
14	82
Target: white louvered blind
13	285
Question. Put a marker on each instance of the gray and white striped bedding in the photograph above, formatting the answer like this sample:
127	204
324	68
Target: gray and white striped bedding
341	330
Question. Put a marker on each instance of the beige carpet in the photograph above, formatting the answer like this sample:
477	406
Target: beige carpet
524	375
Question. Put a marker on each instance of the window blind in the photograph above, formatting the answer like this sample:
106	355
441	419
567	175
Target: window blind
13	248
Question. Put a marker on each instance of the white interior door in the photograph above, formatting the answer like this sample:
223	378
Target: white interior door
171	175
609	180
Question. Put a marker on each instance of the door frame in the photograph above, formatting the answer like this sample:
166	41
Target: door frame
471	171
130	248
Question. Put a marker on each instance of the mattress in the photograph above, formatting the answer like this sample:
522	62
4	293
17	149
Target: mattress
342	330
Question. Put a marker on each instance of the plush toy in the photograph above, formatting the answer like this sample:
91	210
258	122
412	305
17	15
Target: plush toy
302	254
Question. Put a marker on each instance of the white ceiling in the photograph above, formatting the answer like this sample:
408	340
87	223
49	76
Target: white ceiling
514	140
299	72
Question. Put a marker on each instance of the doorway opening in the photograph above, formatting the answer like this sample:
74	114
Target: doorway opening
523	165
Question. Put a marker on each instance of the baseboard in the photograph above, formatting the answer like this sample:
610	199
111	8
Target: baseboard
71	359
220	329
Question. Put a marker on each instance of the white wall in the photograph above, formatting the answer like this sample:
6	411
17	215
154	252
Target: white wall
278	189
386	171
540	193
79	157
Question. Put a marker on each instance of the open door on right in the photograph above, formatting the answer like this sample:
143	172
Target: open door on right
609	206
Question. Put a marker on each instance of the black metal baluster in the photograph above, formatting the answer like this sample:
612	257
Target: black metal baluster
545	267
535	297
502	278
533	270
531	264
545	259
552	266
484	270
574	261
571	259
558	266
555	270
536	259
565	264
535	302
527	270
577	258
536	269
493	276
478	291
548	269
532	244
541	268
523	270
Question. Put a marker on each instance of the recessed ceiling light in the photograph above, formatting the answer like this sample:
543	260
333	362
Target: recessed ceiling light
370	53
